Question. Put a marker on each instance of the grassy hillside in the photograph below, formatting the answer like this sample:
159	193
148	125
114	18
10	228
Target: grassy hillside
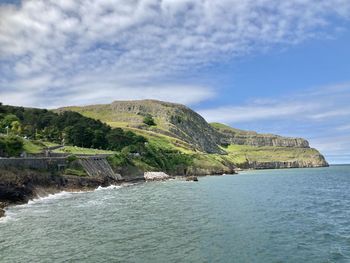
79	150
176	125
172	120
244	153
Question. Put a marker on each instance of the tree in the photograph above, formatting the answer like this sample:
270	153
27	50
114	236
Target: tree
11	146
118	139
16	127
99	141
8	120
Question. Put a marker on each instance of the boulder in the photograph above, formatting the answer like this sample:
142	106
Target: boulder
155	176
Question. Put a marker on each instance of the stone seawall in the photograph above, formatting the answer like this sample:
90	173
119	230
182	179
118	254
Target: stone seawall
33	163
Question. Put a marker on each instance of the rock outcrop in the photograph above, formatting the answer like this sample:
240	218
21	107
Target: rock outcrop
192	178
292	164
229	135
155	176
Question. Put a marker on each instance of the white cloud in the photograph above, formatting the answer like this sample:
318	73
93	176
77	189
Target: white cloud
320	104
248	113
344	127
148	39
103	92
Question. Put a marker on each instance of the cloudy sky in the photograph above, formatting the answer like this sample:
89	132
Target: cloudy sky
267	65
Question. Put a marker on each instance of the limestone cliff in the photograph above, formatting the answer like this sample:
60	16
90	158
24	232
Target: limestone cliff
229	135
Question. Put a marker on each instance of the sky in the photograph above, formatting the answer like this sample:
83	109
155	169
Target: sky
272	66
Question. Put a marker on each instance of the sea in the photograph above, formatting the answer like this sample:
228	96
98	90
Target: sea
291	215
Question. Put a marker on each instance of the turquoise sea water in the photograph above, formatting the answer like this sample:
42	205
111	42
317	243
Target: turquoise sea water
296	215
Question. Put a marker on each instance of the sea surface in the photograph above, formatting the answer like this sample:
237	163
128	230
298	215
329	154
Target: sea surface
294	215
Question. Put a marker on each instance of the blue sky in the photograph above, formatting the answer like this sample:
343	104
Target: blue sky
266	65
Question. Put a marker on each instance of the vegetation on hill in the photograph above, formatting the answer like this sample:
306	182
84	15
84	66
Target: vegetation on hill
149	136
81	150
151	157
173	120
148	119
181	129
10	146
70	128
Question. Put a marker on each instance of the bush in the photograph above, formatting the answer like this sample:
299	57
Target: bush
72	158
165	160
148	119
119	160
11	146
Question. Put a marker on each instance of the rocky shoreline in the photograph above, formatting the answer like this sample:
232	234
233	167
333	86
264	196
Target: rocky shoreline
21	186
18	186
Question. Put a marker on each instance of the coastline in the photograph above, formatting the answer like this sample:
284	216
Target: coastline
21	186
23	192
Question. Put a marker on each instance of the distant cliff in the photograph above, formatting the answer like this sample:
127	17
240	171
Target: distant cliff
229	135
179	127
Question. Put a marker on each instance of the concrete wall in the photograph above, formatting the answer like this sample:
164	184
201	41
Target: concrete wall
33	163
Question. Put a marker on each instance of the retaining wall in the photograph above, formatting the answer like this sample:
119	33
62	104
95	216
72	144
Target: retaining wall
33	163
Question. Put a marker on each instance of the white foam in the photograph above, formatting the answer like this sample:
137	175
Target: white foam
108	187
60	195
115	186
5	219
55	196
9	216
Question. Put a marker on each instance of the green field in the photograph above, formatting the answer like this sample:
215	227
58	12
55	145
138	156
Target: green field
80	150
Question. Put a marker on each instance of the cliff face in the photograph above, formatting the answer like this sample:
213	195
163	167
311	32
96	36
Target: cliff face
229	135
182	127
319	161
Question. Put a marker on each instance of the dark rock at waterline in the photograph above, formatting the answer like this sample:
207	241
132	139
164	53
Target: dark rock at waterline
192	178
20	186
2	211
16	193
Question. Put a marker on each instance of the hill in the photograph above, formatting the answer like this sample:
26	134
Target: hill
176	126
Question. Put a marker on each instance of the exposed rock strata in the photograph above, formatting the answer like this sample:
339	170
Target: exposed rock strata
283	165
228	135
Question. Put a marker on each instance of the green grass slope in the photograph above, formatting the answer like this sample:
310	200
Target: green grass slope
242	148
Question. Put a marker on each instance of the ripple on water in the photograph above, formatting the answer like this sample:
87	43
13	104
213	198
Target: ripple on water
262	216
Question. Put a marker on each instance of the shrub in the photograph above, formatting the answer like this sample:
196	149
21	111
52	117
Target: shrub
72	158
119	160
148	119
165	159
11	145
